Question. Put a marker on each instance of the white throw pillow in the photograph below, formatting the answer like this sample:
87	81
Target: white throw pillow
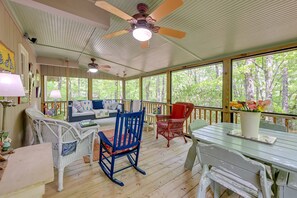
77	105
114	106
106	104
87	105
74	110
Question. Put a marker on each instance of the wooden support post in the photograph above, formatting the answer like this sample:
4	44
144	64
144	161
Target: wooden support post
226	90
168	91
90	89
43	90
124	89
67	86
140	88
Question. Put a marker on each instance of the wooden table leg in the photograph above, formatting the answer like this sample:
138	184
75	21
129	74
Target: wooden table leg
189	163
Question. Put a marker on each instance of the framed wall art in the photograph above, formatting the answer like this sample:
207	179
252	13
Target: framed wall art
24	66
7	61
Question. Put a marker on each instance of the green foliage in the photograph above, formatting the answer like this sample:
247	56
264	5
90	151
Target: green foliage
107	89
132	89
268	86
78	89
202	85
154	88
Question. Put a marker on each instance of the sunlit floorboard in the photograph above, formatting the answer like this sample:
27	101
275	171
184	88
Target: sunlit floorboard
166	176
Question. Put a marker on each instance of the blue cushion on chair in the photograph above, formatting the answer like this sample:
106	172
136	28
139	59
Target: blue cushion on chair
97	104
68	148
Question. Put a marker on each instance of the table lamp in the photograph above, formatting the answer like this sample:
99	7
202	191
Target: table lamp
10	86
55	94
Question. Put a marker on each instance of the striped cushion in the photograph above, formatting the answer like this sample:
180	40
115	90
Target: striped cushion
77	105
109	148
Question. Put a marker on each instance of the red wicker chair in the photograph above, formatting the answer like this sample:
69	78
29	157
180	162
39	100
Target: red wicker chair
171	126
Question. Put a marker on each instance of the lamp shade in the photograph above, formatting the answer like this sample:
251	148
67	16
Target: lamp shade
55	94
11	85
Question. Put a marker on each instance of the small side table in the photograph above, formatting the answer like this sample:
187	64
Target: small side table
151	119
77	125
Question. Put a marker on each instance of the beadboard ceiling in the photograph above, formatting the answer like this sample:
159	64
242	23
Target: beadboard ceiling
215	28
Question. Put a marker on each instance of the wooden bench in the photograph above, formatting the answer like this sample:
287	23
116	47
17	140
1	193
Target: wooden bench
27	172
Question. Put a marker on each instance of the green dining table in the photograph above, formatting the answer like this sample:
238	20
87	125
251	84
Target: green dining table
282	154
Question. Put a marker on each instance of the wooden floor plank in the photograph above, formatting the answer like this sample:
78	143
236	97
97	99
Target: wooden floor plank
166	176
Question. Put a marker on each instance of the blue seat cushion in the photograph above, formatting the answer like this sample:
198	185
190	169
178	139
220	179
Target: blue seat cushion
97	104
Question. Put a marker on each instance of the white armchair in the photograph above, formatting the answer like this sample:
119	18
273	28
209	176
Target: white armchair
68	144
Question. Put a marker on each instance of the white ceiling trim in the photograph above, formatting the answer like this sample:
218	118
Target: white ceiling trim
56	62
97	57
180	47
82	11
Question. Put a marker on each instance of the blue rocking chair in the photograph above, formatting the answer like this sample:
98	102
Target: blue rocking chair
125	142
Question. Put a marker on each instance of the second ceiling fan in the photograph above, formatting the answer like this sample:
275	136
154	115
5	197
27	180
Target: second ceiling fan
94	67
143	24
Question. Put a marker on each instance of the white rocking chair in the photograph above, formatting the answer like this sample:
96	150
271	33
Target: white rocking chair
232	170
68	144
136	105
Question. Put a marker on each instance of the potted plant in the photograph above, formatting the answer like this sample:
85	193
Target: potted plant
5	141
250	114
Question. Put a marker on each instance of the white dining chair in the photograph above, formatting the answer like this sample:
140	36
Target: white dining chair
232	170
269	125
286	184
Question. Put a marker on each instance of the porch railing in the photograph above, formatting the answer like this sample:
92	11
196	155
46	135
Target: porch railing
211	115
290	121
61	106
214	115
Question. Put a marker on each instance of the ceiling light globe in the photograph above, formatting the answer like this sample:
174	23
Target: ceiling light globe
93	70
142	34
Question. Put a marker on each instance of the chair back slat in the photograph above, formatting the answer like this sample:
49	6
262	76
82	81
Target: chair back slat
232	162
268	125
128	131
135	105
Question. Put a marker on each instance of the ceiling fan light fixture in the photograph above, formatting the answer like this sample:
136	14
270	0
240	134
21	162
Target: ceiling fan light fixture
142	34
93	70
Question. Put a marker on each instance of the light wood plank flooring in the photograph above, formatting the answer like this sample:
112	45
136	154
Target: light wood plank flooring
166	176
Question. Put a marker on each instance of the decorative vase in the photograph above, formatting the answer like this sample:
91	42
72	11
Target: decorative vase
250	122
6	146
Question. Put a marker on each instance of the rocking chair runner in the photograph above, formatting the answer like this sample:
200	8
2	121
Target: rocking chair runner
125	142
171	126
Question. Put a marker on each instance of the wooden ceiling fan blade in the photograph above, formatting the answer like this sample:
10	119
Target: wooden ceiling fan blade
172	32
110	8
104	67
166	8
144	44
114	34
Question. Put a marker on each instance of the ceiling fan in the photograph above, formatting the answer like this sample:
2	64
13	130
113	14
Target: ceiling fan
143	24
94	67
